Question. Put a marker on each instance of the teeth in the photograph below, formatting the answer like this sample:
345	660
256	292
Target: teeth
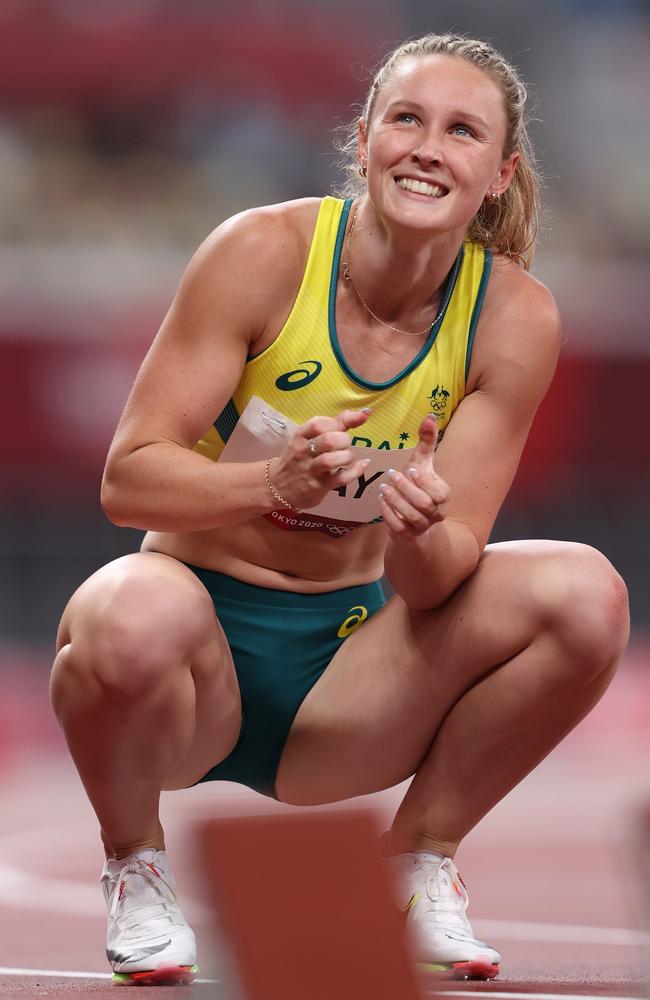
420	187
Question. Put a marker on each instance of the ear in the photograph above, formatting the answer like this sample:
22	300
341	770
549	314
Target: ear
506	172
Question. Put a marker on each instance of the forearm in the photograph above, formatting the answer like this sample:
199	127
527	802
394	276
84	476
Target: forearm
427	569
164	487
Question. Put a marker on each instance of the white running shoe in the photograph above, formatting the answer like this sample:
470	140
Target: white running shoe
149	941
433	898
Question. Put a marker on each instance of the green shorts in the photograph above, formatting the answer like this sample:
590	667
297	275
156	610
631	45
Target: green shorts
281	643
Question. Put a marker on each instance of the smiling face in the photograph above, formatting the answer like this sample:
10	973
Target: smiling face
434	144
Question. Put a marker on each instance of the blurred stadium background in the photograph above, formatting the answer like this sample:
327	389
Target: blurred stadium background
130	128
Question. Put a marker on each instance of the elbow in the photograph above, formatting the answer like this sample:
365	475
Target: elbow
434	594
430	596
429	583
112	503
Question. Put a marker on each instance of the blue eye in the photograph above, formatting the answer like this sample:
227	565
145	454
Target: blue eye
404	115
464	128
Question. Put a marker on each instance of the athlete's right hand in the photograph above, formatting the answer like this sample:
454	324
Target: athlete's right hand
318	458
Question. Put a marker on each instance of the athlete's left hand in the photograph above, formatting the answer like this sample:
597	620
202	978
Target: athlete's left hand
410	502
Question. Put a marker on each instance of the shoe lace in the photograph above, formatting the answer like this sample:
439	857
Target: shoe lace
150	916
448	898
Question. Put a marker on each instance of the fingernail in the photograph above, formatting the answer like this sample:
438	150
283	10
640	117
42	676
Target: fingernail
383	488
366	409
430	416
393	474
413	473
365	463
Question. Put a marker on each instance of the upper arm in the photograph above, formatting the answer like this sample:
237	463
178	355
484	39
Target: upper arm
223	303
482	445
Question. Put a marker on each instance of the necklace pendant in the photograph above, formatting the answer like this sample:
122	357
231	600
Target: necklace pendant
346	271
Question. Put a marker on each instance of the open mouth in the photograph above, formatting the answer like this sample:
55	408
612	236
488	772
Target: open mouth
421	187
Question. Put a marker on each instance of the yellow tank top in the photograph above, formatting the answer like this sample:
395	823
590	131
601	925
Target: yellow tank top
303	373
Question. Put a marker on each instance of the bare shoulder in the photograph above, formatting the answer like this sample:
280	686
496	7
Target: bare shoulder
519	326
271	238
250	266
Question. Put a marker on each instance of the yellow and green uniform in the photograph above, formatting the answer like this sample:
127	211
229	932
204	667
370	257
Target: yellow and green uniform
282	642
303	373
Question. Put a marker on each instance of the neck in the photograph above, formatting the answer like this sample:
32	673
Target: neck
401	272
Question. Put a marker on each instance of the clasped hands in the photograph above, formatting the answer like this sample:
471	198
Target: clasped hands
320	457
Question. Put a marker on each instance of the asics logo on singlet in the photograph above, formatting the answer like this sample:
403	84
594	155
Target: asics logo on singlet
299	377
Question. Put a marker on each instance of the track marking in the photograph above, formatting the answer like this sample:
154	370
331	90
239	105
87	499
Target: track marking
28	891
55	974
511	930
38	892
504	995
533	996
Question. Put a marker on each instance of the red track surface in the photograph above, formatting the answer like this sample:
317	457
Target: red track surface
551	872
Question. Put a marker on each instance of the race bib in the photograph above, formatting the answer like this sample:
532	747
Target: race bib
262	433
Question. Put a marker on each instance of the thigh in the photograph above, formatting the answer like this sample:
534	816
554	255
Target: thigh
371	718
146	619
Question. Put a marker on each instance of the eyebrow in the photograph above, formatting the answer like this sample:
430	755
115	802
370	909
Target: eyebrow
465	115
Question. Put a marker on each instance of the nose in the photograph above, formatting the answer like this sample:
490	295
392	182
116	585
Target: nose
429	149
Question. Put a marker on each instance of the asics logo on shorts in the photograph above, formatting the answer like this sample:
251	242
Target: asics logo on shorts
356	617
299	377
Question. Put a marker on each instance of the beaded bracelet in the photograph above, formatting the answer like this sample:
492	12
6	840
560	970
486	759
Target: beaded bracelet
272	490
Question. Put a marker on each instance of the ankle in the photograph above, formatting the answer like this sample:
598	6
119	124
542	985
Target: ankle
434	845
118	849
395	842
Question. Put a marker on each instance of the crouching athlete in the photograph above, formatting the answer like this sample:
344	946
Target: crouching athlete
249	640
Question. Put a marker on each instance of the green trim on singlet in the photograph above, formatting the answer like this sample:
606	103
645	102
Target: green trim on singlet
478	305
433	333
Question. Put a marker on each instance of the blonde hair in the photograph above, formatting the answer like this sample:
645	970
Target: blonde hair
508	225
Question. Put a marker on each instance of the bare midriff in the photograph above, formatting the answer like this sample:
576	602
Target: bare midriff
257	552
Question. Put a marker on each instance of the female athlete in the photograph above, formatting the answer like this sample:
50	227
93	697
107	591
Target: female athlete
342	388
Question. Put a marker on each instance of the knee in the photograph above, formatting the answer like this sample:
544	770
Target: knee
584	600
133	639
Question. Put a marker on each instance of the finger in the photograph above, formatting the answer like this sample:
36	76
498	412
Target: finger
418	498
317	425
330	461
427	438
353	418
393	521
412	517
321	425
344	476
421	488
331	441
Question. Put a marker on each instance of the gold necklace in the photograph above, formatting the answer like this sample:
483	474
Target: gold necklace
348	277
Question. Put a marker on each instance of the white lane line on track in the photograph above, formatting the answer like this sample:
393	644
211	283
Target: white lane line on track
531	996
54	974
37	892
519	930
505	995
25	890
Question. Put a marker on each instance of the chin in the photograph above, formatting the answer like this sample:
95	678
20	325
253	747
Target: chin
426	218
438	217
